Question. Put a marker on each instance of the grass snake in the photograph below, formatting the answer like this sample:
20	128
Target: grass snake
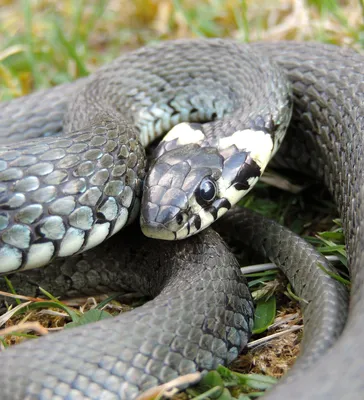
64	195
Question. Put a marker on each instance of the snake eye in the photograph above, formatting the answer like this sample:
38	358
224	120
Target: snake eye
207	190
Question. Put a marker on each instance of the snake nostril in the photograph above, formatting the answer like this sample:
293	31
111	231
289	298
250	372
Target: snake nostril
179	218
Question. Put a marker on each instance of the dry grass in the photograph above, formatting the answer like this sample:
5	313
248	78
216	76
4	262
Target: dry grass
46	42
275	357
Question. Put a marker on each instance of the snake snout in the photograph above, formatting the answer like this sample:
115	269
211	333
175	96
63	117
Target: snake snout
161	222
156	230
162	211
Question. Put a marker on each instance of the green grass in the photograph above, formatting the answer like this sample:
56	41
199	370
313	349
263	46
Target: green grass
45	43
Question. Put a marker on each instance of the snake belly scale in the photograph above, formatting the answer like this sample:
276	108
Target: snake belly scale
325	137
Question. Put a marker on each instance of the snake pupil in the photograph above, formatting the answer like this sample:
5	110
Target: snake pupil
207	190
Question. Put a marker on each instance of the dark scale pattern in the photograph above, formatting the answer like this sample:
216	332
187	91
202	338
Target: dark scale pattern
326	140
203	316
325	300
71	187
40	114
188	81
144	90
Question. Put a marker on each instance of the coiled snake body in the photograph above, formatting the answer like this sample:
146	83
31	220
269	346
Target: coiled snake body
62	196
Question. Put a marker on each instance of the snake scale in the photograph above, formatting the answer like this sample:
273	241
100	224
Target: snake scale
212	315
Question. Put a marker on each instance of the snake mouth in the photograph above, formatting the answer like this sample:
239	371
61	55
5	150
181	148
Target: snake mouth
156	230
161	221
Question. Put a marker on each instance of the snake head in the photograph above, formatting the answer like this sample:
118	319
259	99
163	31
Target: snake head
179	185
191	185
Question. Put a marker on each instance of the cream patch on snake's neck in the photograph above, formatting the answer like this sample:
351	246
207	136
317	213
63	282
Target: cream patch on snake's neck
253	151
258	143
185	133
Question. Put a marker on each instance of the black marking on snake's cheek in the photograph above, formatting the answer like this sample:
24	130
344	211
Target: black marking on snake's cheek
188	228
220	203
250	169
224	203
213	211
197	222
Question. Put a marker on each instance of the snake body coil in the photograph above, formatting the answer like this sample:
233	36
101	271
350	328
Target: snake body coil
77	193
63	195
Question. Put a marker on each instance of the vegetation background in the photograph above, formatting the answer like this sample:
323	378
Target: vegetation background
47	42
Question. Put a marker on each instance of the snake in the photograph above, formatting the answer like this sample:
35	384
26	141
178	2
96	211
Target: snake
73	165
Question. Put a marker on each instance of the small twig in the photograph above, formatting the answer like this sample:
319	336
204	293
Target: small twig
258	342
283	320
59	328
280	182
19	296
26	326
91	302
252	269
5	317
170	388
53	313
